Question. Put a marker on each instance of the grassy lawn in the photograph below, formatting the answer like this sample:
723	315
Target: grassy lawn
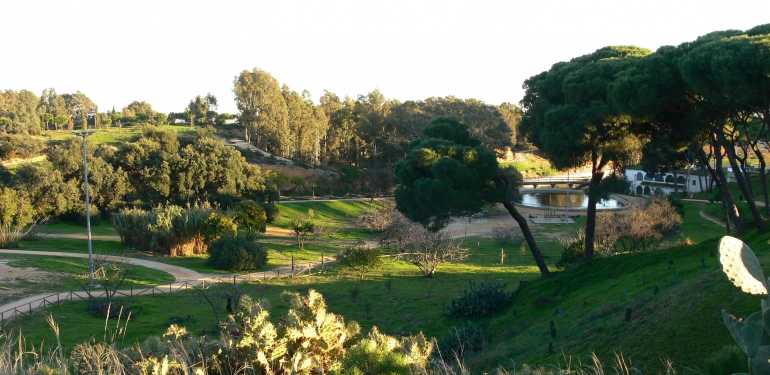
72	246
113	135
674	297
531	165
280	251
756	188
100	228
396	298
328	214
70	274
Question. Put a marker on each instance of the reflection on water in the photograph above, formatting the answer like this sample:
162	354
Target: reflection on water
563	199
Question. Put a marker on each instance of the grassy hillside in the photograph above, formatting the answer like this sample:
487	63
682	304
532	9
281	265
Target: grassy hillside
673	296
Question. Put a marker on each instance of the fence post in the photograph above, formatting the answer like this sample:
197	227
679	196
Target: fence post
30	307
233	279
292	266
323	265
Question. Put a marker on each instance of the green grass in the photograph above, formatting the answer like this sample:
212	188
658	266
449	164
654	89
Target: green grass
395	298
694	227
329	214
531	165
100	228
113	136
675	296
70	274
735	192
72	246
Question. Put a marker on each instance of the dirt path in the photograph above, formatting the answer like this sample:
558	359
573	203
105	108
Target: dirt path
185	279
179	273
710	218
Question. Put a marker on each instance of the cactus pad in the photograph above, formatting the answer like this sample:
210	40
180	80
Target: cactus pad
741	266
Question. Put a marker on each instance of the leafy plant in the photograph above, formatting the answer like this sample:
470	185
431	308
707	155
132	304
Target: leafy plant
238	252
752	334
480	300
303	227
359	258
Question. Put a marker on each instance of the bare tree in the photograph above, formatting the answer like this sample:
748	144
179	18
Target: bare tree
427	250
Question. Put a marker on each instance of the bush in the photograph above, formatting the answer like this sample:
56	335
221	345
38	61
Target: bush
237	253
172	230
378	218
19	146
360	258
463	339
573	249
479	301
636	229
16	215
250	216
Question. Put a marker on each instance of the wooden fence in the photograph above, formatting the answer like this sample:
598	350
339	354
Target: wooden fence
53	299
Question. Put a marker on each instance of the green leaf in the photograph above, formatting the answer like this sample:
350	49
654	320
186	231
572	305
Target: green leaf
747	333
760	363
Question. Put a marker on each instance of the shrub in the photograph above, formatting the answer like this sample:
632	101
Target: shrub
479	301
250	216
637	229
359	258
20	146
172	230
573	249
16	215
237	253
378	218
463	339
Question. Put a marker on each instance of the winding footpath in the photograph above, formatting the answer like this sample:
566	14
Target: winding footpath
185	278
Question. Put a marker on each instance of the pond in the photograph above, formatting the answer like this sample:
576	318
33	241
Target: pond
566	199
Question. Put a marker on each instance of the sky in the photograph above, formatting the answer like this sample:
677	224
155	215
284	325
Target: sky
166	52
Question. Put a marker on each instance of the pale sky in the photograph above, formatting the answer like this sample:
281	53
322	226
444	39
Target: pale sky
166	52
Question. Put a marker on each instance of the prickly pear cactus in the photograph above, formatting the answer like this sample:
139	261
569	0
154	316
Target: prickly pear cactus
752	334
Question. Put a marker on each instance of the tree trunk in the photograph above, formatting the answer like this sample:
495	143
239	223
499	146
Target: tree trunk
596	178
741	181
718	177
762	177
522	221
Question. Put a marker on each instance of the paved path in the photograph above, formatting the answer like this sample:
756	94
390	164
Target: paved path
185	279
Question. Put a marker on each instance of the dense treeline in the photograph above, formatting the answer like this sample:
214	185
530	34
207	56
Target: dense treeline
159	168
368	131
697	103
23	112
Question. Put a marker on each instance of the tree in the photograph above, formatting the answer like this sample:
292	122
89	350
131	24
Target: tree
303	227
428	250
263	110
48	191
448	173
202	110
19	112
360	258
511	114
142	112
16	214
568	115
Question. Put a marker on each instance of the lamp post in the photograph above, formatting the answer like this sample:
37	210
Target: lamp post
84	135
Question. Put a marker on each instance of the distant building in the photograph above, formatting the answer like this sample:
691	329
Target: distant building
179	121
643	183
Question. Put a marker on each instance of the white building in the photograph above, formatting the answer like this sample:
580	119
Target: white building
643	183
